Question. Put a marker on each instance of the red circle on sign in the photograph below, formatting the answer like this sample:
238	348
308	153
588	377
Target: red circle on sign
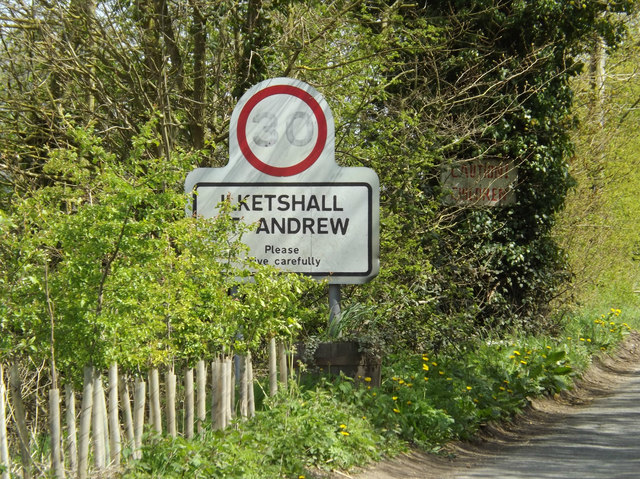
281	170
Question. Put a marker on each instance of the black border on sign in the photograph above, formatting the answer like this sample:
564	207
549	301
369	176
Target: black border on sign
321	184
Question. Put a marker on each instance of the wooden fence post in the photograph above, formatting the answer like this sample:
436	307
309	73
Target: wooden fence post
251	406
98	432
273	368
125	400
139	394
4	442
57	457
170	382
282	357
201	404
85	423
15	384
114	418
154	400
189	403
217	412
70	419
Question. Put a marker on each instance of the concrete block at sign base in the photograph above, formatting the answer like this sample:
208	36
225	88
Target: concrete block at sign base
344	357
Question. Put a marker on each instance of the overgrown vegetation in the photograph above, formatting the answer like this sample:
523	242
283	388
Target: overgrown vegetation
425	399
105	106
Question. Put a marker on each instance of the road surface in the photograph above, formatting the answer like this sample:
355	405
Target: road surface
595	434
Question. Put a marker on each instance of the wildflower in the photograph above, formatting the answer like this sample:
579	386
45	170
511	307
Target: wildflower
367	379
523	362
512	357
344	433
517	353
396	410
409	402
395	398
548	347
502	388
441	373
343	426
401	381
469	388
434	363
409	385
449	379
426	378
425	367
425	358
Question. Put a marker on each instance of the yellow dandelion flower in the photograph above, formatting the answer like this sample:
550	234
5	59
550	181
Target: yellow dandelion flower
425	367
434	363
502	388
449	379
409	402
395	398
345	433
401	381
469	388
426	378
441	373
512	357
367	379
343	426
517	353
396	410
523	362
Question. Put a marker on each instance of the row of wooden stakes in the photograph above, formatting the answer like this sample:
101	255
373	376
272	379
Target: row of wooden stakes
108	420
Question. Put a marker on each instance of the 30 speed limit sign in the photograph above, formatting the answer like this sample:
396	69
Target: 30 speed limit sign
307	214
282	130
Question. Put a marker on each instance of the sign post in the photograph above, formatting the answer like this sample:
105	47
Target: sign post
311	215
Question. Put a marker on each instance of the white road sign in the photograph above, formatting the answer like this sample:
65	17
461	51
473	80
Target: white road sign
309	214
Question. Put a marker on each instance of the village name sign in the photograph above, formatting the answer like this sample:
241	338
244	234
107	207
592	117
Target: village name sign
311	215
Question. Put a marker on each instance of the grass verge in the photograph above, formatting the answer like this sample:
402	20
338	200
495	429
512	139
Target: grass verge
424	400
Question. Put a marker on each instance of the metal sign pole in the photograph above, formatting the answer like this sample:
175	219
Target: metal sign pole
334	303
